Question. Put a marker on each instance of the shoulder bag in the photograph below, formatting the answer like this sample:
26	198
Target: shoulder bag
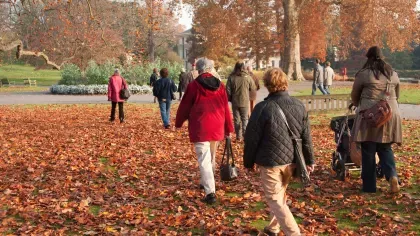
228	171
124	93
378	114
301	173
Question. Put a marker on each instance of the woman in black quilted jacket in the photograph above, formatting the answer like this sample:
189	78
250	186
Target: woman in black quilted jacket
268	144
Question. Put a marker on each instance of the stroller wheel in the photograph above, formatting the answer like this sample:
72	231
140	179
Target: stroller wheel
334	162
379	172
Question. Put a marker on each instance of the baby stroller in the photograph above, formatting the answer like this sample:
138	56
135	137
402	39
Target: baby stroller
346	151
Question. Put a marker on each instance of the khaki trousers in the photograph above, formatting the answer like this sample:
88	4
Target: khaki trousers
206	155
274	181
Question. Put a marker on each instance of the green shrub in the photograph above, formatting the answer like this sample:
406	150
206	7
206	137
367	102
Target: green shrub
99	74
70	75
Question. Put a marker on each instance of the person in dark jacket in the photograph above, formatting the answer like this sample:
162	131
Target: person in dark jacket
238	87
115	85
268	144
163	89
184	80
205	106
153	78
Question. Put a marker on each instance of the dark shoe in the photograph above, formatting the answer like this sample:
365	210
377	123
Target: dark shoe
210	198
122	121
167	126
269	233
111	120
201	186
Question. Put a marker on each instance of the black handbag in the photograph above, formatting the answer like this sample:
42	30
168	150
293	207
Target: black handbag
228	171
124	93
301	172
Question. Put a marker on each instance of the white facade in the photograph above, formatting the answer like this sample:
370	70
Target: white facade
184	48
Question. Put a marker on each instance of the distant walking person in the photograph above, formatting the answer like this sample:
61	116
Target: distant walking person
318	78
184	80
328	77
163	89
153	78
238	88
193	74
253	94
115	85
375	81
205	106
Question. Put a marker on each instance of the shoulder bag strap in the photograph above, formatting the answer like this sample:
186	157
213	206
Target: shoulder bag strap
231	152
292	135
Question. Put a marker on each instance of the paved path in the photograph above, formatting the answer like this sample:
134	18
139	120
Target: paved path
407	111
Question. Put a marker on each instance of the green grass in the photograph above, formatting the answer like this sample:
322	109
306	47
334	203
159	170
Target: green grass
18	73
95	209
409	94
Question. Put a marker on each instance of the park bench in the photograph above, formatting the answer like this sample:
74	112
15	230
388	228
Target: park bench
6	81
324	103
29	82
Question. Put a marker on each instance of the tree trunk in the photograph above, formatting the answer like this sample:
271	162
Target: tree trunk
291	51
150	35
151	46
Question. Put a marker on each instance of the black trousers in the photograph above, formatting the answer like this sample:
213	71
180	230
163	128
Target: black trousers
120	111
386	160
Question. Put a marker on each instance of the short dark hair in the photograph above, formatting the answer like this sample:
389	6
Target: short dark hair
164	73
328	63
317	61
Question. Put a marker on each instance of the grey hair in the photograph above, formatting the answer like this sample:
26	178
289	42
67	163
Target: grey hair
204	65
117	71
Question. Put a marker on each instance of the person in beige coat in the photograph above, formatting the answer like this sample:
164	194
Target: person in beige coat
328	77
369	87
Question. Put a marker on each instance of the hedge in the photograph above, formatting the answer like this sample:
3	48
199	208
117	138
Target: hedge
95	89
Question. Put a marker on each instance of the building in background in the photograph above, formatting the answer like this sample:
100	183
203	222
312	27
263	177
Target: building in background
184	48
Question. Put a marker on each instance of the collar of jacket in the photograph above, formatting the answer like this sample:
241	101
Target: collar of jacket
277	94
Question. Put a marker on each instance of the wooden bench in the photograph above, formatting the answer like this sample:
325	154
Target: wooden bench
29	82
5	81
324	103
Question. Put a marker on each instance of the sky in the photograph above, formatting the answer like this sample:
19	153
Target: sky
186	16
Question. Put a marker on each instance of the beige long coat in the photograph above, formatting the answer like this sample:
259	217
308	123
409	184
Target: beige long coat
366	92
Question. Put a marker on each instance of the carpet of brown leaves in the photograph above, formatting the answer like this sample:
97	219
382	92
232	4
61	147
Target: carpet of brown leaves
67	170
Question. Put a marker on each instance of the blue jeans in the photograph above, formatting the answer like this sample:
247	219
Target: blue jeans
165	108
327	89
386	160
320	87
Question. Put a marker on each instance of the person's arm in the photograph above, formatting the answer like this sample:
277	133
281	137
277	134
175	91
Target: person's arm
397	89
325	79
109	89
307	147
252	86
185	106
229	89
253	135
173	86
125	85
357	89
156	89
228	115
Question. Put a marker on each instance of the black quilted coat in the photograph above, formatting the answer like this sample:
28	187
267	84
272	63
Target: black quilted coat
267	141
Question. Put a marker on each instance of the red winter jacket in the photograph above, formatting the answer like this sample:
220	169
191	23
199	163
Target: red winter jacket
115	85
205	106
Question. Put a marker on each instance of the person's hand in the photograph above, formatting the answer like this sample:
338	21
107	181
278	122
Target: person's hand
228	135
310	168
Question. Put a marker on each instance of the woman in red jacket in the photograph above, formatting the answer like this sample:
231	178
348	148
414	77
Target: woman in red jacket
115	85
205	106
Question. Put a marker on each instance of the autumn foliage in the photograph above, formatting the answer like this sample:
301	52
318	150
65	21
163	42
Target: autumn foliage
67	170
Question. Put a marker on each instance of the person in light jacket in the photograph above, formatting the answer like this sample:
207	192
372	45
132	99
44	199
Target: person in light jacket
269	145
328	77
369	87
115	84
